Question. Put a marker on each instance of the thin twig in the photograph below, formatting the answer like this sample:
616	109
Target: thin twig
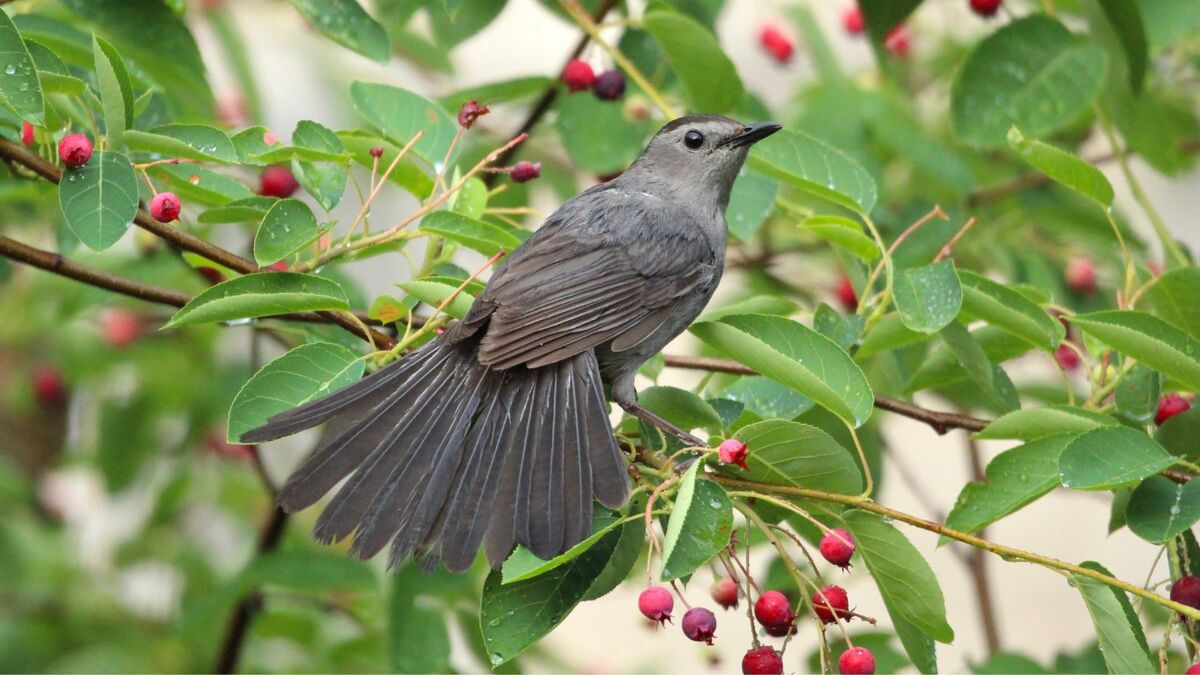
243	613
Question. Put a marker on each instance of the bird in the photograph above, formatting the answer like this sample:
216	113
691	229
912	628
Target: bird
497	432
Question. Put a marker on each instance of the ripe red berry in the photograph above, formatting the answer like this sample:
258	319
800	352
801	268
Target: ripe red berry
1193	669
852	20
277	181
1186	591
846	294
773	609
1169	406
609	85
856	661
1068	359
27	133
898	41
278	266
1081	276
656	603
75	150
776	43
525	171
49	387
121	327
985	7
733	451
165	207
762	661
725	592
699	625
837	547
831	603
470	112
578	75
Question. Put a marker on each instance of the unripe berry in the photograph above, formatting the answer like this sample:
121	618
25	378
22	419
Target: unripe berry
165	207
837	547
470	112
1169	406
609	85
656	603
699	625
776	43
1081	276
831	603
1186	591
1067	358
773	609
846	294
523	171
121	327
277	181
985	7
578	75
27	133
74	150
725	593
852	20
376	151
762	661
898	41
733	451
49	387
856	661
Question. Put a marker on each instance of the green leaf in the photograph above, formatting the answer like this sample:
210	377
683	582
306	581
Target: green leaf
597	135
435	292
1180	435
699	528
628	550
887	335
285	228
1033	423
816	168
1136	395
116	90
1172	297
1126	20
262	294
522	564
1007	309
1167	21
681	407
514	616
942	367
908	586
767	398
756	304
471	199
303	374
1015	478
418	641
504	91
311	571
486	238
1063	167
881	16
752	200
844	330
345	22
1148	339
1032	73
1109	457
797	455
406	174
970	355
796	356
249	210
919	646
185	141
53	83
100	199
696	57
1122	641
843	233
198	184
400	114
1160	509
19	85
928	297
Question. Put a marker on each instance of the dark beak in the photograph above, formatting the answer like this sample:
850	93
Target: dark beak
752	134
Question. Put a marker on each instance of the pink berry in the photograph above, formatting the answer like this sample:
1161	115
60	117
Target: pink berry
1081	276
856	661
278	266
1068	359
578	75
762	661
837	547
609	85
270	138
1193	669
898	41
773	609
776	43
376	151
725	593
49	387
656	604
165	207
699	625
852	20
733	451
121	327
846	294
470	112
1169	406
27	133
75	150
277	181
831	603
985	7
523	171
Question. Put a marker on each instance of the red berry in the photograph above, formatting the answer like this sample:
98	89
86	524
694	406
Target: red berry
856	661
1186	591
773	609
376	151
75	150
656	604
1169	406
278	266
1081	276
846	294
1193	669
165	207
277	181
762	661
777	43
49	387
525	171
578	75
1067	358
609	85
121	327
837	547
985	7
27	133
831	603
212	274
725	592
699	625
470	112
898	41
852	20
733	451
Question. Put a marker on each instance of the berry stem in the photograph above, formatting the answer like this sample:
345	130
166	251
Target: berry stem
949	247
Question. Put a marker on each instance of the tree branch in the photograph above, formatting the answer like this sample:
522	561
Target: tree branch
243	613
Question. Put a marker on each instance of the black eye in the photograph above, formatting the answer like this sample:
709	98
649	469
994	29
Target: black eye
693	139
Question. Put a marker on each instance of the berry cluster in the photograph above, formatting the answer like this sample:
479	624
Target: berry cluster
607	86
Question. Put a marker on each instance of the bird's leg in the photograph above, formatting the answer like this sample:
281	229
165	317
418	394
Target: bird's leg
626	397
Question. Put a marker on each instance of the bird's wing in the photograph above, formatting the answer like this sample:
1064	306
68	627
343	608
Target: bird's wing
579	283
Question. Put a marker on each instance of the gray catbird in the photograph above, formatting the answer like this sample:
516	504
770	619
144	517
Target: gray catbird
497	432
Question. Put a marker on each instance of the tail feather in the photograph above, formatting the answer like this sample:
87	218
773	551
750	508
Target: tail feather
610	482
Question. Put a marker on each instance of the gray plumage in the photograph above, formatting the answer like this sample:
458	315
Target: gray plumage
497	433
